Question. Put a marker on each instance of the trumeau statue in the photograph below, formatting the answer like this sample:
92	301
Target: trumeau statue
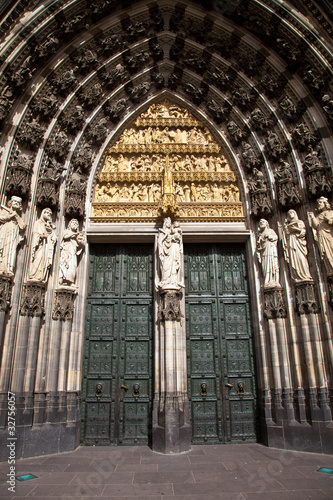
11	234
268	255
72	245
295	247
43	241
322	226
170	256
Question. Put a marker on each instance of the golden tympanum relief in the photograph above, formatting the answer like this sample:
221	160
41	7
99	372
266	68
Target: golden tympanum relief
167	164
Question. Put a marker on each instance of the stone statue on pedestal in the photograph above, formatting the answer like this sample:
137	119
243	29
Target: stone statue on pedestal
170	256
295	247
268	255
72	245
43	241
322	226
12	228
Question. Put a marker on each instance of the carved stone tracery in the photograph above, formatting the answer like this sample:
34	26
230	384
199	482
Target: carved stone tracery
166	164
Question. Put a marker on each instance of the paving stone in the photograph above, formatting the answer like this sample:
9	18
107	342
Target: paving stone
143	490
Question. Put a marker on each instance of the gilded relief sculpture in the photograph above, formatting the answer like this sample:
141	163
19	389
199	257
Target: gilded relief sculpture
166	165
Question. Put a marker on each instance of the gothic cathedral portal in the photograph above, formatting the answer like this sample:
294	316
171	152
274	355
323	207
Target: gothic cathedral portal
141	386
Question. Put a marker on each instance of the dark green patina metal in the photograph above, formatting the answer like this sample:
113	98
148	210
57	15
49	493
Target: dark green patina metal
219	345
117	384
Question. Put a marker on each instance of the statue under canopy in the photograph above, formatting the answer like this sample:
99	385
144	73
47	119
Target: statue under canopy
295	248
170	256
43	241
12	228
322	226
72	245
268	255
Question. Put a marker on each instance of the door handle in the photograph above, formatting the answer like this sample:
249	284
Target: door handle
136	390
125	387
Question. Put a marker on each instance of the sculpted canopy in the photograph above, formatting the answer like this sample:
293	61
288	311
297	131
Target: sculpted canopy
166	163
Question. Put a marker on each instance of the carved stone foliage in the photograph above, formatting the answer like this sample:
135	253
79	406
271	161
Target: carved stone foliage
45	105
83	158
288	191
306	298
73	118
274	147
58	146
33	299
5	292
48	184
317	175
170	306
168	163
31	134
97	132
259	192
250	158
18	178
275	306
116	110
63	305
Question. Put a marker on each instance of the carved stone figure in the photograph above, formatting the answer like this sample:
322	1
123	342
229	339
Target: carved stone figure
46	104
48	47
249	158
139	92
317	174
59	145
42	247
85	59
261	203
259	119
303	136
235	131
5	101
322	226
218	112
72	245
117	74
23	72
98	132
295	247
274	146
288	107
289	194
170	256
93	95
65	80
11	234
73	118
328	105
116	110
268	255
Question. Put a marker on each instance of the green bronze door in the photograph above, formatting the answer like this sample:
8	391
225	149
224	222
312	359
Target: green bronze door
221	384
117	383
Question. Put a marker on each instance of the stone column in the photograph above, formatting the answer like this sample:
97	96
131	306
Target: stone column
171	417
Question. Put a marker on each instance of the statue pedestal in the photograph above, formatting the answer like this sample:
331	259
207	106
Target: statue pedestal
171	428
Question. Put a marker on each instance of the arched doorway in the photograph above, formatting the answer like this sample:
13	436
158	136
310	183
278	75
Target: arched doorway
167	164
